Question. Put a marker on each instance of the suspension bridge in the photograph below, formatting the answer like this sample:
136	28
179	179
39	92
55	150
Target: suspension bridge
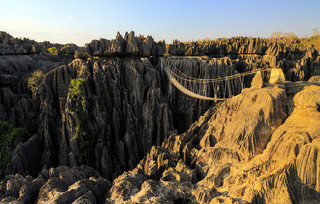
215	89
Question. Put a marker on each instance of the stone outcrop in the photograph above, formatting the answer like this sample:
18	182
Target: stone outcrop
16	103
58	185
276	76
257	80
10	45
23	46
115	93
125	106
20	107
241	45
130	45
298	61
248	149
81	55
314	78
122	109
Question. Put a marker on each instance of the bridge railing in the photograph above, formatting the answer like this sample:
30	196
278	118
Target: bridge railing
218	88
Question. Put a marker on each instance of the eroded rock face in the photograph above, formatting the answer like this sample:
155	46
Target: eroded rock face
240	45
104	119
16	103
130	45
20	107
123	107
257	80
16	46
59	185
10	45
245	150
298	63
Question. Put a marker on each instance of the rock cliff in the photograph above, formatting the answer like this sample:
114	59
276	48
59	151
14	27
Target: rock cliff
298	60
24	46
130	45
91	120
122	107
249	149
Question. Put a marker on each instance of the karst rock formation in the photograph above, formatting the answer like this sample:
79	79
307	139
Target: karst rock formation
109	127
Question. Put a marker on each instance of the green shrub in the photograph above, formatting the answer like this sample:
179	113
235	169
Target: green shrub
53	50
66	46
81	129
75	91
75	87
35	79
81	126
10	136
81	135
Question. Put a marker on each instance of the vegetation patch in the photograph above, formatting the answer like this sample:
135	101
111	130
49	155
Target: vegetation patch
81	125
75	91
75	87
82	133
289	37
81	129
315	40
35	79
53	50
10	136
66	46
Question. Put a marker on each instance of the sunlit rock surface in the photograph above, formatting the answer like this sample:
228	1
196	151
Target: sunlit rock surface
249	149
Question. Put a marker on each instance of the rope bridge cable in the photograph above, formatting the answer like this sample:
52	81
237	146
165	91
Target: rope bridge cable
184	83
184	90
193	79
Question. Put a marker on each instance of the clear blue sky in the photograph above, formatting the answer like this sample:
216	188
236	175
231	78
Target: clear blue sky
79	21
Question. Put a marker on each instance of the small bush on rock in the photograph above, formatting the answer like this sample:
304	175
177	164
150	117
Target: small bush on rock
53	50
35	79
10	136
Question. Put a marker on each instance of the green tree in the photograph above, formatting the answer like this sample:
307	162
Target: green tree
75	87
315	38
53	50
